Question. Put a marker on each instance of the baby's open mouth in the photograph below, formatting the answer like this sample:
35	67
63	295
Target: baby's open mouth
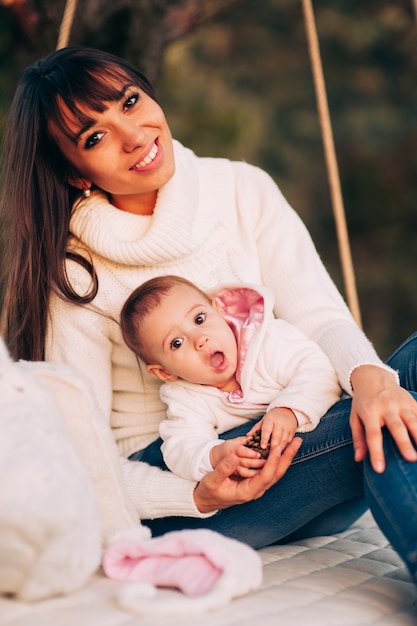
216	359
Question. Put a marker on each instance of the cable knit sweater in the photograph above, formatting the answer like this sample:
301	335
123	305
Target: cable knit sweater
214	222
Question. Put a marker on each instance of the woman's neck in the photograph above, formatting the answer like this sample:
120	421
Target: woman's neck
143	204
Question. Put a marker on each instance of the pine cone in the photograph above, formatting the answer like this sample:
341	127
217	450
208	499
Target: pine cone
254	443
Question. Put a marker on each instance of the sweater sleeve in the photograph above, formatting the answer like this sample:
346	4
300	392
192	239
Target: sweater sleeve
189	433
290	266
305	374
156	493
80	337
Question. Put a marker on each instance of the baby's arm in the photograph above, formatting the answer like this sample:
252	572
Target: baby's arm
191	446
305	379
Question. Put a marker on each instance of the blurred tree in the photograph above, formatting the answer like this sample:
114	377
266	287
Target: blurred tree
138	31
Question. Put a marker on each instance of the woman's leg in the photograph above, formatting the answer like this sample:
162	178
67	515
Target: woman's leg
393	495
335	520
322	477
404	360
151	454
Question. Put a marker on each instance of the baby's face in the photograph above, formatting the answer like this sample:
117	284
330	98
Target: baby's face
191	340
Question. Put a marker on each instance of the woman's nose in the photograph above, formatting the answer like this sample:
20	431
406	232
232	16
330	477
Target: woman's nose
132	135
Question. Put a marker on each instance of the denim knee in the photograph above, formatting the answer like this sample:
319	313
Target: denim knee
404	360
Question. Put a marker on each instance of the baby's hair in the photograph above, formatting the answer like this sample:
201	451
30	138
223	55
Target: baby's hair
142	301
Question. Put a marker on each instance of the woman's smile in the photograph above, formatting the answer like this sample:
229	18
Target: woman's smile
149	158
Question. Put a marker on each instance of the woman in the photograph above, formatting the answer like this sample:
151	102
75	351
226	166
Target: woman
98	198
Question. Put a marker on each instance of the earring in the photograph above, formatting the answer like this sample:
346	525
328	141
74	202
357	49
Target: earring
87	192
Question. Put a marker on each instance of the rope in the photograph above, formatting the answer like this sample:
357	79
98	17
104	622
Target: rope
67	19
331	162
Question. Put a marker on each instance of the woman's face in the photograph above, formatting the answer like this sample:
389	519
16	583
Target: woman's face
126	150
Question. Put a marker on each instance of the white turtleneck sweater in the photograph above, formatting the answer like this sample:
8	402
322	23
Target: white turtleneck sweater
214	222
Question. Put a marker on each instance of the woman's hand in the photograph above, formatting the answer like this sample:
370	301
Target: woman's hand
220	488
379	401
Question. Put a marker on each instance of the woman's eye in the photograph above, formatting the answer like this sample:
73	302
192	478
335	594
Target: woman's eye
131	101
176	343
199	319
93	140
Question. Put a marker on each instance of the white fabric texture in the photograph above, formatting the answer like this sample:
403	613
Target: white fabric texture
50	539
350	579
214	222
278	367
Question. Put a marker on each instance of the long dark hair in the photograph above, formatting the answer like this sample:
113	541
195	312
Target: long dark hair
37	199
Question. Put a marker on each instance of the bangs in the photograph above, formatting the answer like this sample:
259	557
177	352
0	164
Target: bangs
82	80
93	90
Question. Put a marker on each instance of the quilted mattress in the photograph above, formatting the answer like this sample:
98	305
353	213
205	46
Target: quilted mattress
350	579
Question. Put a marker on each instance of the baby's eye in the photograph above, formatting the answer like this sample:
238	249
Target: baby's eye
176	343
199	319
93	140
131	101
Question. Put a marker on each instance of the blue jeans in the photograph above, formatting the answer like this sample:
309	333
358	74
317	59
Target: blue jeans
325	490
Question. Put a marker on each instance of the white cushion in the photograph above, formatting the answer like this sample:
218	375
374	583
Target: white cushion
50	539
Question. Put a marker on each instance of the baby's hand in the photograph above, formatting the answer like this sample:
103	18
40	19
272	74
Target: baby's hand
276	428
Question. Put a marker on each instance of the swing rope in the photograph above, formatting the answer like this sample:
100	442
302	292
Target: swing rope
66	24
331	161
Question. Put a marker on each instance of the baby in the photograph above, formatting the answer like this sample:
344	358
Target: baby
225	360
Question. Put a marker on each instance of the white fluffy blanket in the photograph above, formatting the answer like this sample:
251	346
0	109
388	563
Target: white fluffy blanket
62	503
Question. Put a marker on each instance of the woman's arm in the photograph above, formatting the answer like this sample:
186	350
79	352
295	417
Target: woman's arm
306	296
304	293
156	493
302	373
80	337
